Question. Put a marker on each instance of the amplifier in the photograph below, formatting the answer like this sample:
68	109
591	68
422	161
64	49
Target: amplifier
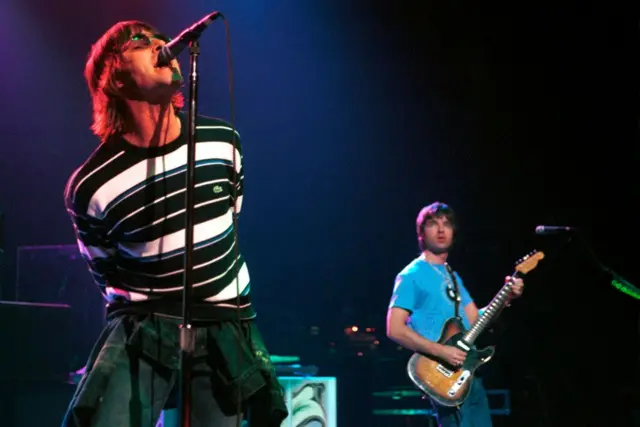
57	274
34	403
311	401
37	341
407	404
53	274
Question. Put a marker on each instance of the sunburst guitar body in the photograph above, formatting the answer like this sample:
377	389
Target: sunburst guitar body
450	385
446	384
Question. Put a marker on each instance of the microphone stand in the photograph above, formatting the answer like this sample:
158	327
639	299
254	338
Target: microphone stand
1	254
187	332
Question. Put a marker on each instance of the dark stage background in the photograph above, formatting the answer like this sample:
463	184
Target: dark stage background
354	115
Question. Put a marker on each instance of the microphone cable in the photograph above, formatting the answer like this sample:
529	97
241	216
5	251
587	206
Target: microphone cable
236	177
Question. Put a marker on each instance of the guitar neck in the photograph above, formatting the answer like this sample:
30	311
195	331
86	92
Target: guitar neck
491	312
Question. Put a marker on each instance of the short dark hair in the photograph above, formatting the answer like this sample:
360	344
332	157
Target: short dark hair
434	210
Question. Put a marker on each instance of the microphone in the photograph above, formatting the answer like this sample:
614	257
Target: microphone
552	229
180	43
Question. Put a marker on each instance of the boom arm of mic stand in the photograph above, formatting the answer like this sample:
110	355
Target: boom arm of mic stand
591	252
615	279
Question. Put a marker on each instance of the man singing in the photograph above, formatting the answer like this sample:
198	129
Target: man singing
127	205
424	290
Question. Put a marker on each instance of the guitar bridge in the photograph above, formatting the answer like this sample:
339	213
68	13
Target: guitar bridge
463	379
444	371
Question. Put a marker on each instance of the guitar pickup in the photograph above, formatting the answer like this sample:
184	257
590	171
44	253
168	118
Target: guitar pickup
463	345
444	371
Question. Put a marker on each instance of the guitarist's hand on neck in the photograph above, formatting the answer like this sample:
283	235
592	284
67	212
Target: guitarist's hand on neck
517	288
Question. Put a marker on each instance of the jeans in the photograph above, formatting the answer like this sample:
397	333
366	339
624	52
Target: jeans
474	411
132	375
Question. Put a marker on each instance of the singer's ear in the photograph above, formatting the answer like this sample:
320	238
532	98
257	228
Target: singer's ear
121	80
114	85
114	76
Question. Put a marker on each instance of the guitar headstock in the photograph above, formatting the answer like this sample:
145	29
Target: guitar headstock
529	262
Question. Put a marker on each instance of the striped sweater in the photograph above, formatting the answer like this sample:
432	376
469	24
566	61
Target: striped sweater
127	206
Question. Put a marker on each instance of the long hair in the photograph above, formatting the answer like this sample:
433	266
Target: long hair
109	108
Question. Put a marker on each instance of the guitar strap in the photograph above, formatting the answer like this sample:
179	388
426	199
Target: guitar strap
455	289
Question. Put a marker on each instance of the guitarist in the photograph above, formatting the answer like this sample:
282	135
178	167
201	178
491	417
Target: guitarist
424	297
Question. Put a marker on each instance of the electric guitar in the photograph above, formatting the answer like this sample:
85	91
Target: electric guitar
449	385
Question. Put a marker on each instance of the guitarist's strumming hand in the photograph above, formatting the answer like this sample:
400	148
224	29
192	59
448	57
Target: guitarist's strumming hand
452	355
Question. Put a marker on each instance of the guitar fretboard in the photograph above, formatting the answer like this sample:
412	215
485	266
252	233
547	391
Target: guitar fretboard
489	314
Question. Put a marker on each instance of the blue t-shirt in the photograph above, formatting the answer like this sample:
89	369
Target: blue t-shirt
425	294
